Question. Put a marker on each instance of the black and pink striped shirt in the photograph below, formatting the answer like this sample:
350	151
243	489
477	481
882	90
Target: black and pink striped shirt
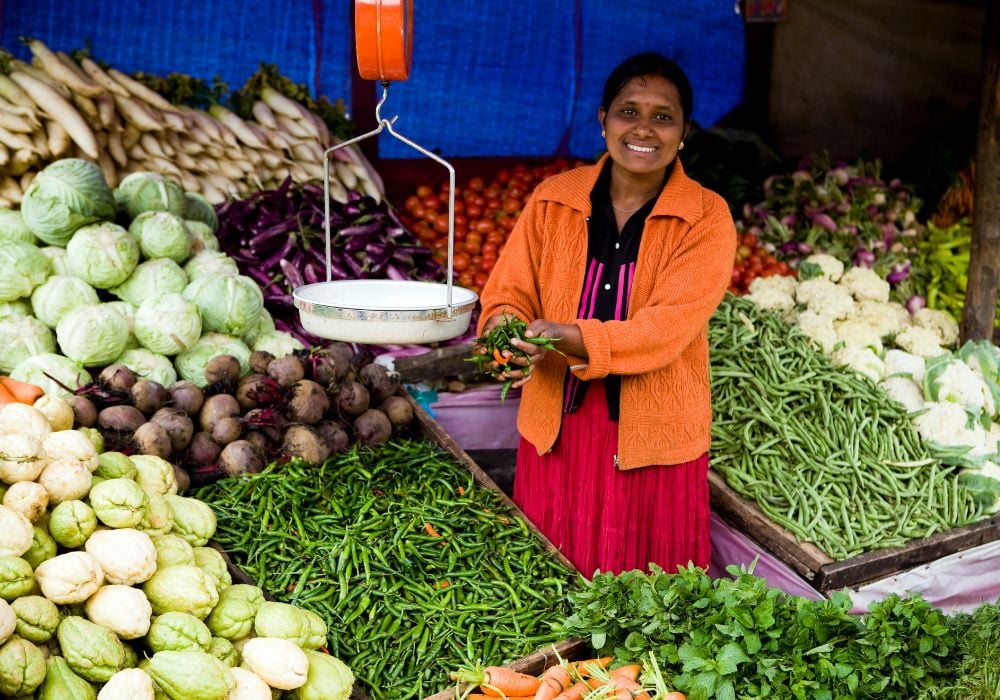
607	286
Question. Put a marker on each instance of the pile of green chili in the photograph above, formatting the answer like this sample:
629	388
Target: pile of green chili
823	452
416	569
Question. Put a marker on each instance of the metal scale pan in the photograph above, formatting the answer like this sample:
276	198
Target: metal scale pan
385	312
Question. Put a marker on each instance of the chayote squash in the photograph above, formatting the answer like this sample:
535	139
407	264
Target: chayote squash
304	629
177	631
91	651
190	675
181	589
193	519
233	617
62	684
16	577
37	618
211	562
329	679
22	667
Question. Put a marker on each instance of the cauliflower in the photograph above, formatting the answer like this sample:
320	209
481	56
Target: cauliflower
810	289
771	298
857	332
921	341
947	424
782	283
819	329
899	363
821	266
862	360
888	317
904	391
865	284
837	304
940	322
950	379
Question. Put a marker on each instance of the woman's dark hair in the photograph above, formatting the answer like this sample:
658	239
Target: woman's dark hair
649	63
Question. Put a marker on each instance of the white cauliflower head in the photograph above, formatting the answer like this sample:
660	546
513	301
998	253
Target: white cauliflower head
856	331
865	284
947	424
889	317
809	289
953	380
904	364
819	329
836	304
921	341
940	322
821	266
862	360
904	391
785	284
771	298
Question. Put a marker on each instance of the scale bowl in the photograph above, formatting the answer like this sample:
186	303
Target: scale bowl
384	312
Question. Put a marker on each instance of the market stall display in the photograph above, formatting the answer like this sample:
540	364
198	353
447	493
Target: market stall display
107	583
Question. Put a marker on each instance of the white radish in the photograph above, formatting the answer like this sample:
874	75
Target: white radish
188	181
26	179
151	145
130	136
186	162
97	74
191	148
210	192
59	140
163	165
35	71
140	91
116	149
94	89
22	161
230	170
12	92
51	64
209	126
137	113
175	121
87	109
302	153
228	137
59	109
271	159
106	110
16	141
279	103
14	122
254	156
263	114
346	174
4	155
10	189
293	128
137	152
108	168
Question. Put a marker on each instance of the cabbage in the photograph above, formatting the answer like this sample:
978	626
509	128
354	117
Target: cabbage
264	325
13	228
210	262
24	268
149	365
192	362
57	256
202	238
168	324
54	373
103	254
126	311
151	279
92	334
66	195
144	191
201	210
161	235
19	307
278	343
23	337
228	304
59	295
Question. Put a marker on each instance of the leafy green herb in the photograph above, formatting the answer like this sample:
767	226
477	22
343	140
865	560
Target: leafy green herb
182	89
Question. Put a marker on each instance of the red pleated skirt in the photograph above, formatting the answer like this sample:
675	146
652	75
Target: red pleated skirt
606	519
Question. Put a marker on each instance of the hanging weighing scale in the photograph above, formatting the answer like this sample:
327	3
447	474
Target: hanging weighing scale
385	312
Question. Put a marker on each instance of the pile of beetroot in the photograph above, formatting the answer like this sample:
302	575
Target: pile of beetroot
305	406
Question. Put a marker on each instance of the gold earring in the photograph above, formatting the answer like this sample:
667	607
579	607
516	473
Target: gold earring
681	147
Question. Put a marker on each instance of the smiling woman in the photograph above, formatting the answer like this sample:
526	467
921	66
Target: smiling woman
621	264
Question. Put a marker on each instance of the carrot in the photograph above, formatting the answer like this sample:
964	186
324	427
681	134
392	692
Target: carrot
575	691
587	666
626	689
22	391
6	397
484	696
554	681
631	672
498	681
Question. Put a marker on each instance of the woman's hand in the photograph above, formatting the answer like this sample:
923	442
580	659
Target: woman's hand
480	349
533	354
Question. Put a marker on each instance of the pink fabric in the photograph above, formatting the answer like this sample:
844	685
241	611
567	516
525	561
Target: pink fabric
607	519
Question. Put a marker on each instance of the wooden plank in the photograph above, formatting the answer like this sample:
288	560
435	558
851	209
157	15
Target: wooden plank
437	364
434	432
533	664
984	261
806	558
881	563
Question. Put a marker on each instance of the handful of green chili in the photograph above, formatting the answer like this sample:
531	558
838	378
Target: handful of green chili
414	567
825	453
501	351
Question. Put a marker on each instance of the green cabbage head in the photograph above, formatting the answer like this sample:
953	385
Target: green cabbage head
200	209
21	338
24	268
59	295
92	652
149	365
57	256
56	374
102	254
168	324
144	191
192	362
161	235
202	238
92	335
13	228
210	262
66	195
18	307
150	280
228	304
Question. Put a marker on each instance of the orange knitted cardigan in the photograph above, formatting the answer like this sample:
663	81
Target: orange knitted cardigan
661	349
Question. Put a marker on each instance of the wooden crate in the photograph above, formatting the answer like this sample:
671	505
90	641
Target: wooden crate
822	571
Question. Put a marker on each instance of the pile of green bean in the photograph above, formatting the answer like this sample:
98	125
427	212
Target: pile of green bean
823	452
416	569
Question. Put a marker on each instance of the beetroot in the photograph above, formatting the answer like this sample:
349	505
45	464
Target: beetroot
222	369
186	396
302	442
256	390
376	379
286	370
84	411
259	360
308	402
241	457
118	377
124	419
399	411
177	424
202	449
216	408
372	427
227	430
148	396
352	399
152	439
333	436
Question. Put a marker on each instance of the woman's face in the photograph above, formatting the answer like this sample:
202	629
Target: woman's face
644	125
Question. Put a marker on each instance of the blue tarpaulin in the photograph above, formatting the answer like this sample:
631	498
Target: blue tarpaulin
489	77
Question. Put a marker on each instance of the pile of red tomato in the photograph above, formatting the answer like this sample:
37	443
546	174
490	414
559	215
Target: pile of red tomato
485	214
753	261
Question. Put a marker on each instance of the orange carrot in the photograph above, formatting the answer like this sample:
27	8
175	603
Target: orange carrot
554	681
587	666
484	696
630	671
575	691
626	688
499	681
6	397
22	391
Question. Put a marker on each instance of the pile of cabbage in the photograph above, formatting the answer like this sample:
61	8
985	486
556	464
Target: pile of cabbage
94	276
109	590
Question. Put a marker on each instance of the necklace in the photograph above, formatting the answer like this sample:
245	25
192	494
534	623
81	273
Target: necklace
625	211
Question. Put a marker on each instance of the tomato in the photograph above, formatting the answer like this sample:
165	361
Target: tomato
503	176
465	278
748	278
735	278
496	237
516	192
510	222
432	202
412	202
512	205
743	252
424	191
459	205
489	247
473	211
485	226
749	240
481	278
441	224
476	184
460	261
471	246
488	263
492	192
675	695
